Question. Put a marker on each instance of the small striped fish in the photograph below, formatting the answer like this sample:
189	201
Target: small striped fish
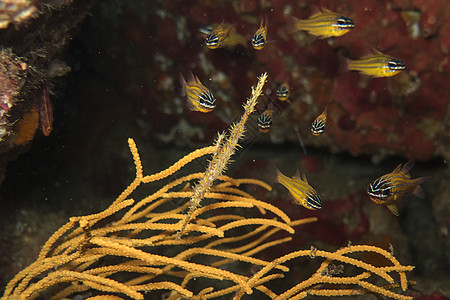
325	24
301	191
282	92
377	65
318	125
216	37
265	121
199	98
392	186
259	39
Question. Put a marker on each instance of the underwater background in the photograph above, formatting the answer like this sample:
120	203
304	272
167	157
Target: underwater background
113	72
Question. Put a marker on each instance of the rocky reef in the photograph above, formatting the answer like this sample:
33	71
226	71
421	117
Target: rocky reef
405	115
126	58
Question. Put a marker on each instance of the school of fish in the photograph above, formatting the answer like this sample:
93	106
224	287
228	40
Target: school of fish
385	190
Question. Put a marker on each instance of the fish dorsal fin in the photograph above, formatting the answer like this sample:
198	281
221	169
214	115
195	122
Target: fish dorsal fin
408	166
316	15
191	76
397	169
316	11
215	26
263	22
375	51
393	208
304	178
325	10
183	85
297	173
197	80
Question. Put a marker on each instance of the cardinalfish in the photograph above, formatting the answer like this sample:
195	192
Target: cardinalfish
198	96
216	37
282	92
301	191
325	24
265	120
259	39
223	35
377	65
46	111
392	186
318	125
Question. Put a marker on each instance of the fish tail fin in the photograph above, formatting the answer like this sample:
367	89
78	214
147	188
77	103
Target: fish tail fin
343	64
351	65
183	86
233	39
277	175
418	191
292	24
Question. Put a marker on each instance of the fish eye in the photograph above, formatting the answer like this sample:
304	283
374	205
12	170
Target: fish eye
258	39
208	100
282	91
396	64
385	192
212	39
379	189
315	201
317	126
265	120
345	23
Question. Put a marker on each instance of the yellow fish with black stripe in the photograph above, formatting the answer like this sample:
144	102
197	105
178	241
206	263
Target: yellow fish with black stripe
318	125
199	98
259	39
216	37
265	120
283	92
392	186
222	36
324	24
301	191
377	65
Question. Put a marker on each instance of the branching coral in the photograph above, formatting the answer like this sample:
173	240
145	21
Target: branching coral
135	247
